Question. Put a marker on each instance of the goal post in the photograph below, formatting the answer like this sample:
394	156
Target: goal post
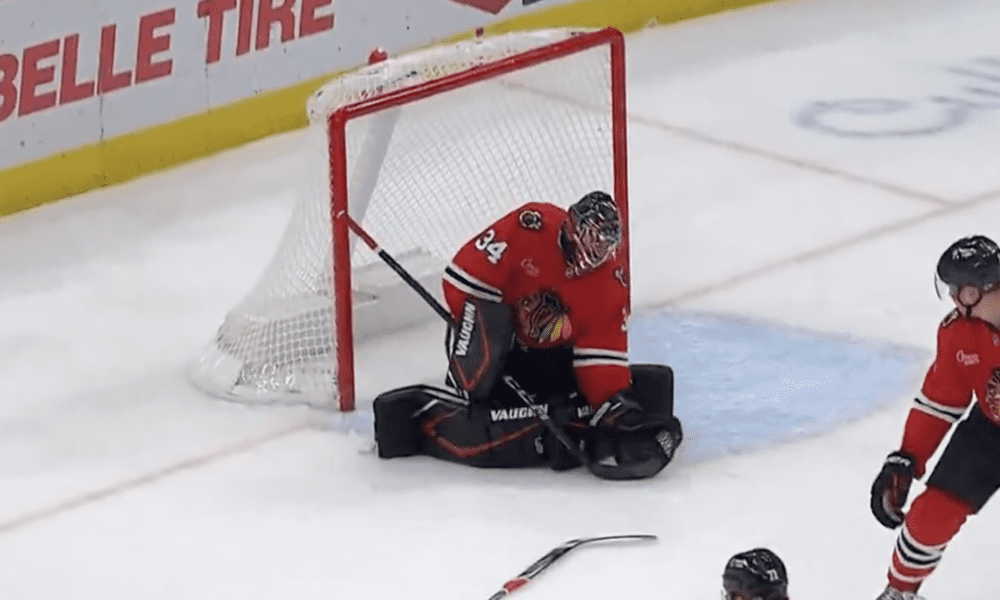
422	151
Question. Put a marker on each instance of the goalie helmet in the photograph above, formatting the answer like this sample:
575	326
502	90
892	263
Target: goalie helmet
971	262
591	233
756	574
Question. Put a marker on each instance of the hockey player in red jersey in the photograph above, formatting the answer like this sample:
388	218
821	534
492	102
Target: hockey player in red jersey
966	367
540	302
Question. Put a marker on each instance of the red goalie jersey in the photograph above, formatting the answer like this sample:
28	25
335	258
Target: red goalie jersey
967	362
518	261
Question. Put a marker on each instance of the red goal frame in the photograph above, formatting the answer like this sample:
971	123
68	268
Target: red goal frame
337	122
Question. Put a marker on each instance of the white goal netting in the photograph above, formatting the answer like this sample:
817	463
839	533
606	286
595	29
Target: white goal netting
451	143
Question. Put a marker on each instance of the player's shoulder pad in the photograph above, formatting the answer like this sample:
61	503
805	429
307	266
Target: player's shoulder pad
536	216
950	318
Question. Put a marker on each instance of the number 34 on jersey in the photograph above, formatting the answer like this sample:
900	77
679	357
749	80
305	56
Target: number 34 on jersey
493	249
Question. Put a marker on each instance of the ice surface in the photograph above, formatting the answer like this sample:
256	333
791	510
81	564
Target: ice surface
785	272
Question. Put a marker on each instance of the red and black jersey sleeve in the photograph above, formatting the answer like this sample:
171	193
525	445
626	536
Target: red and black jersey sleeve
600	352
486	266
601	371
480	268
943	399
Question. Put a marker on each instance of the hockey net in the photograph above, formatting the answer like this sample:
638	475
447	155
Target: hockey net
422	152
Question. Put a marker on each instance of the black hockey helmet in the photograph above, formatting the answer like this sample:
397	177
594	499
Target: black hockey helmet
972	261
756	574
590	233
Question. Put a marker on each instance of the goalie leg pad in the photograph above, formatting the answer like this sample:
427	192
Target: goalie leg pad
478	346
484	437
499	436
653	388
398	416
437	422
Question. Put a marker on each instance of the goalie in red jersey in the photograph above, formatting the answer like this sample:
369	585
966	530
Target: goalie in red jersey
540	302
967	367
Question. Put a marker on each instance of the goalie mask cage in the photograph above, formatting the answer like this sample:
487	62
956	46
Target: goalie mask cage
422	152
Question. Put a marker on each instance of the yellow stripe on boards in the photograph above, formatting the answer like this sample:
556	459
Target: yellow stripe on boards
128	156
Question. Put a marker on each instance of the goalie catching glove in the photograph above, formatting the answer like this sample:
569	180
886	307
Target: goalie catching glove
634	444
891	488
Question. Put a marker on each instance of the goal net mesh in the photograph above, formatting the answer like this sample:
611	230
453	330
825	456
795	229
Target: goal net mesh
423	176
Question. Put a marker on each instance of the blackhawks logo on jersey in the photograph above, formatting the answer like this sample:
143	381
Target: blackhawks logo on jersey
530	219
543	318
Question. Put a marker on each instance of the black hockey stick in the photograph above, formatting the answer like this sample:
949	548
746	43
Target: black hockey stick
398	268
602	471
555	554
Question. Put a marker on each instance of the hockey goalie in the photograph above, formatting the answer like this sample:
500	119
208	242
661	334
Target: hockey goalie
540	307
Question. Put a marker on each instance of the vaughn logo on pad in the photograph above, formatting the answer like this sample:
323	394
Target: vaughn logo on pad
512	414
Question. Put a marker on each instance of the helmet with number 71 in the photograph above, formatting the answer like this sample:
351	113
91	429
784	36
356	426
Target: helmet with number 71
591	233
756	574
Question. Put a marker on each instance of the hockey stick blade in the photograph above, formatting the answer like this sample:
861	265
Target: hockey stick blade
555	554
